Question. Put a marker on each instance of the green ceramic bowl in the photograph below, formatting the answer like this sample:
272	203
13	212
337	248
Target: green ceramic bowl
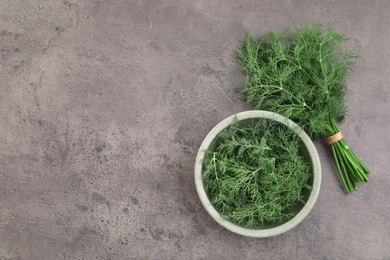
309	151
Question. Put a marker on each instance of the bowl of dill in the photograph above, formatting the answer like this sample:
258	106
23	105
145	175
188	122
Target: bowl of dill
257	174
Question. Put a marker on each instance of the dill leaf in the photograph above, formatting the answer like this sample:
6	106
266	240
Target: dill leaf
256	173
300	74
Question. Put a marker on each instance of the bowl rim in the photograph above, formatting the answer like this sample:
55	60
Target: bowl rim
260	233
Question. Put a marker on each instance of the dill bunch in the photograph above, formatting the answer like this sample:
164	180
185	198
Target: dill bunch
300	74
256	173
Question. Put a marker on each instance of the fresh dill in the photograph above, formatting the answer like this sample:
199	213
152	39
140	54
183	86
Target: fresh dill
256	173
300	74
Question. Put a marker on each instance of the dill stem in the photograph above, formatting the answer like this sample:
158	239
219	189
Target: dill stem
215	166
353	173
280	88
349	166
339	169
348	180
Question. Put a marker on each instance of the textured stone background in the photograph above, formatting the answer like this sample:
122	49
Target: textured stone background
103	105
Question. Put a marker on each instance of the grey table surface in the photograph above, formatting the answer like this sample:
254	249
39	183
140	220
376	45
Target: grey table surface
103	105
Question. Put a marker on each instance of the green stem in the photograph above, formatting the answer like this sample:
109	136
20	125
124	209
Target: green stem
348	181
280	88
351	169
339	169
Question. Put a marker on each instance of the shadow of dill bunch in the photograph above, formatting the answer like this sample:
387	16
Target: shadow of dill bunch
256	173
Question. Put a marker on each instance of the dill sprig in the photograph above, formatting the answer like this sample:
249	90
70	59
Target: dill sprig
300	74
256	173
